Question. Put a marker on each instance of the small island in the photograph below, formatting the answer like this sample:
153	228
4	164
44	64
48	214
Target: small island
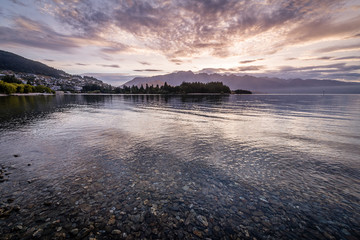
241	91
184	88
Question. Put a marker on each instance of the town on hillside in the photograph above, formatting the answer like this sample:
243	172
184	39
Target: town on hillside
66	82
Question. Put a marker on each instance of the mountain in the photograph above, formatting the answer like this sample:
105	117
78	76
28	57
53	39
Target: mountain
254	84
16	63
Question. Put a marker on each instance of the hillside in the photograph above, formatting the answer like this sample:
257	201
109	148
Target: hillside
16	63
254	84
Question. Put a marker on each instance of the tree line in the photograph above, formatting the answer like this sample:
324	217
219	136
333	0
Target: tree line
10	84
184	88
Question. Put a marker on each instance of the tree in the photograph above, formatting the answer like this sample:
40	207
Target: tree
7	88
11	79
42	89
28	88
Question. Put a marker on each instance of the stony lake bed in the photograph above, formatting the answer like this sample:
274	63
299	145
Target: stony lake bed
197	167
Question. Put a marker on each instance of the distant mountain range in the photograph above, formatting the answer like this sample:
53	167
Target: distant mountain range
16	63
254	84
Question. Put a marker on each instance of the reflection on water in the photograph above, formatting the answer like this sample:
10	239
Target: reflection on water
152	166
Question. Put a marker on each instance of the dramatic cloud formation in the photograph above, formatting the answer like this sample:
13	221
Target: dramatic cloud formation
213	35
183	28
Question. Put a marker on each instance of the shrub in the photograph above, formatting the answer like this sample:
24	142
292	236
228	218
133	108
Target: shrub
11	79
42	89
28	88
7	88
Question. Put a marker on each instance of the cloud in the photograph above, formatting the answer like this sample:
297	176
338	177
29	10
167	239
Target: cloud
232	70
328	58
339	71
177	61
348	58
322	28
48	60
82	64
144	63
324	58
319	58
247	61
338	67
148	70
185	28
339	48
115	48
109	65
18	2
27	32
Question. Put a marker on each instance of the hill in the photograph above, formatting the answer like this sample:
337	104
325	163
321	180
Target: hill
16	63
254	84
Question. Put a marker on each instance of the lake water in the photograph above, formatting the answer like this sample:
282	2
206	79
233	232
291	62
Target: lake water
142	166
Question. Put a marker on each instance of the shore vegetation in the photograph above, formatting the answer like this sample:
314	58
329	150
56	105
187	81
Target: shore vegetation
184	88
9	84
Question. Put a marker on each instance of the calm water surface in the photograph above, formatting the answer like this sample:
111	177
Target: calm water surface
258	166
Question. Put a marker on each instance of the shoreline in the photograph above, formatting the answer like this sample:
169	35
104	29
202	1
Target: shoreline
189	94
25	94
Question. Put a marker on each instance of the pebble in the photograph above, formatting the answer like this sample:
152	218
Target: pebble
345	231
111	220
38	233
197	233
186	188
74	231
202	220
18	227
140	208
116	232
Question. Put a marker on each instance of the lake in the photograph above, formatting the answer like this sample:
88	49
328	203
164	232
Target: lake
180	167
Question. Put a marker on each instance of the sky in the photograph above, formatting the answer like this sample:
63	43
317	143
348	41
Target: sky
119	39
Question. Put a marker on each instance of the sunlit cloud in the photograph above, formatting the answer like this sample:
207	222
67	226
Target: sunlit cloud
186	28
